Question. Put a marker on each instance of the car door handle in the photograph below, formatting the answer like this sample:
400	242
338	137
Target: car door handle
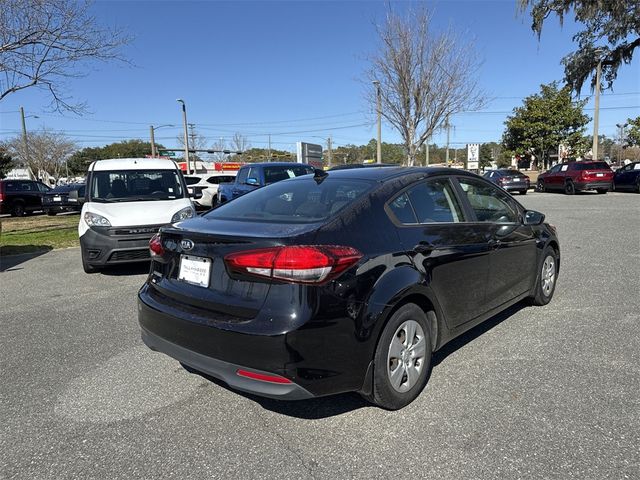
424	248
494	244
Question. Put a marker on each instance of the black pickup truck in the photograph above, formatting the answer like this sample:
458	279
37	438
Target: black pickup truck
256	175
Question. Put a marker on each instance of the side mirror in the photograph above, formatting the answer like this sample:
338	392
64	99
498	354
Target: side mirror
252	182
531	217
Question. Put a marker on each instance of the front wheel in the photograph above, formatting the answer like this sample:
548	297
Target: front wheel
601	191
402	359
547	276
540	186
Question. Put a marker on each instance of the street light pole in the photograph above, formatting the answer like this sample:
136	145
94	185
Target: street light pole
376	83
186	135
153	143
596	113
24	138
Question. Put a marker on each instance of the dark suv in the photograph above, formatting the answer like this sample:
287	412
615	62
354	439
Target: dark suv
576	176
18	197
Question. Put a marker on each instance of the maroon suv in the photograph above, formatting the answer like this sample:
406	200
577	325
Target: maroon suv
576	176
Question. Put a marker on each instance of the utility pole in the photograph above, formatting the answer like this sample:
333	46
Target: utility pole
596	113
376	83
329	148
269	149
186	135
153	142
25	145
192	135
426	153
447	125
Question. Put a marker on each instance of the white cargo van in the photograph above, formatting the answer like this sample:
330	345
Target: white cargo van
126	201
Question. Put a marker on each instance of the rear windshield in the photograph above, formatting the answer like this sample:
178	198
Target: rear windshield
511	173
591	166
295	201
135	185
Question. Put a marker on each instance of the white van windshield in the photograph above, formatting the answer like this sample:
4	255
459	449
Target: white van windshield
135	185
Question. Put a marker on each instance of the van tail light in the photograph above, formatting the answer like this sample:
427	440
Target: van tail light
309	264
155	246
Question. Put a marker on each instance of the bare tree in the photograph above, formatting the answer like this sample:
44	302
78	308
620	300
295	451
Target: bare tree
197	141
47	151
424	76
239	142
45	42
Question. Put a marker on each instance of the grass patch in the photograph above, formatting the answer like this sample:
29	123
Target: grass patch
38	233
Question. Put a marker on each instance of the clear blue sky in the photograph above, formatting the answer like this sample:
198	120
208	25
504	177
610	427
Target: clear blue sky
281	67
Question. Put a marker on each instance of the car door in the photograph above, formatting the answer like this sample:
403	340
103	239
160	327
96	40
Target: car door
513	258
553	180
31	195
625	177
451	254
240	183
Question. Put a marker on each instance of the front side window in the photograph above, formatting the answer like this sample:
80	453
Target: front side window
135	185
488	202
242	175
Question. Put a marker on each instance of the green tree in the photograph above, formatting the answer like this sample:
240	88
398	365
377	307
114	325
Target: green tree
489	152
633	134
80	160
611	33
546	120
6	162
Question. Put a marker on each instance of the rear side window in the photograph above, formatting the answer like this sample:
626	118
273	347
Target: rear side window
279	173
432	201
590	166
191	180
298	201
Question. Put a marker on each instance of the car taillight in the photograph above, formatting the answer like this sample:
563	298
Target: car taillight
295	263
155	245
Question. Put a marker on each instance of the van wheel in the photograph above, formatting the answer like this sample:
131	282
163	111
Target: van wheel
17	210
569	188
402	360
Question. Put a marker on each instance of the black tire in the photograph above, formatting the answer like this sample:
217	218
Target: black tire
523	192
88	268
543	293
17	210
51	213
384	394
638	185
601	191
540	186
569	188
613	186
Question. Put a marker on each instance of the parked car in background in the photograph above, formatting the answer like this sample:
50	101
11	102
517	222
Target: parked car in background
573	177
342	281
509	179
19	197
256	175
60	199
127	201
206	184
627	178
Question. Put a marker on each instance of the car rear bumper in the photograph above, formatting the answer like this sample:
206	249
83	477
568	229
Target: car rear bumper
101	248
319	358
593	185
516	187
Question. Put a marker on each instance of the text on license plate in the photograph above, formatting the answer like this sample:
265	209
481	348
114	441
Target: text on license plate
195	270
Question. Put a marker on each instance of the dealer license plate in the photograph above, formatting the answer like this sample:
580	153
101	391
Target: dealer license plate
195	270
57	199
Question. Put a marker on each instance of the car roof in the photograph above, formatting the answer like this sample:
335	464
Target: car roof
382	174
275	164
133	164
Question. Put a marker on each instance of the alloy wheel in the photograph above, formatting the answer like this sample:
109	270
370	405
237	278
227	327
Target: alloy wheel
406	356
548	275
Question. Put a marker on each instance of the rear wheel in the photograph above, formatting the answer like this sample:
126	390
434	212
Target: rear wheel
402	359
51	213
17	210
540	186
547	276
523	192
601	190
569	188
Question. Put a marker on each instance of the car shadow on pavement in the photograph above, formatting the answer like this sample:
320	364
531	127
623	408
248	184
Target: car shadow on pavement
325	407
10	262
126	269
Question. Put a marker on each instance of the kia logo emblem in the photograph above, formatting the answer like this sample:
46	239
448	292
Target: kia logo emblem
186	244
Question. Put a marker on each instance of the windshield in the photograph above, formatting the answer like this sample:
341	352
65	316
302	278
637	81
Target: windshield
293	201
135	185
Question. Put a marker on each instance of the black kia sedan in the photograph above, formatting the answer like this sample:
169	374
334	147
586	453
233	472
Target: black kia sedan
342	281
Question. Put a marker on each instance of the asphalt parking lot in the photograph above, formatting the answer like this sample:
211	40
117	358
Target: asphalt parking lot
537	392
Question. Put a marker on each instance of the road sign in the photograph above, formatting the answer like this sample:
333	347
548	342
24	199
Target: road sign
166	153
309	153
473	156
